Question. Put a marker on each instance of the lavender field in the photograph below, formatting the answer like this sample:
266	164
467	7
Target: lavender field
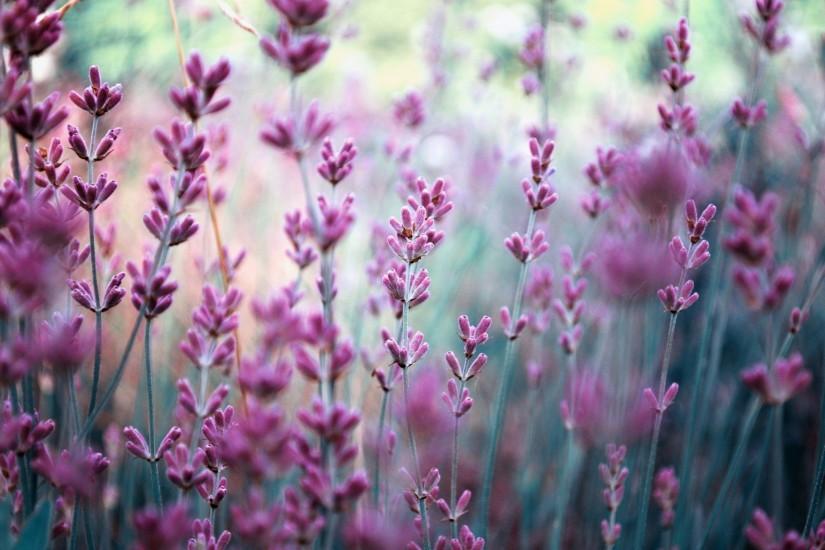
412	274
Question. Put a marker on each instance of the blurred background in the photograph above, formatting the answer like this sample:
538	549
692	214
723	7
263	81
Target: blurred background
462	57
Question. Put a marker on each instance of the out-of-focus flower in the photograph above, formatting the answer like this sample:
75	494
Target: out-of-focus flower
28	29
656	183
613	475
665	493
203	537
75	472
764	28
62	344
297	53
198	98
336	166
748	116
167	529
293	136
774	386
760	534
408	110
301	13
35	120
183	147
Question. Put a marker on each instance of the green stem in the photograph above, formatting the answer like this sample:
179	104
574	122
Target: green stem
147	355
733	468
379	449
820	468
90	174
159	259
503	394
657	430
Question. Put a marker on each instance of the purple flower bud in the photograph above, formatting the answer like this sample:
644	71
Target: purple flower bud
297	53
301	13
89	196
99	98
33	121
336	167
677	299
104	148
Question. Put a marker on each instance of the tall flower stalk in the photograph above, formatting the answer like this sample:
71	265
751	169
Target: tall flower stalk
525	248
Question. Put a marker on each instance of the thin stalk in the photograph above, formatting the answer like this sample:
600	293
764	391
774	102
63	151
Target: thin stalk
657	430
379	449
90	174
159	259
147	355
422	504
820	468
568	475
733	468
778	462
503	394
454	464
73	408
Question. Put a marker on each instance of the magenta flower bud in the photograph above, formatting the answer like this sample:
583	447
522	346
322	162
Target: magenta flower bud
512	329
33	121
677	299
182	146
336	166
13	90
539	198
198	98
168	441
99	98
215	399
105	146
748	116
787	378
455	366
335	221
204	539
306	364
476	366
77	143
89	196
458	404
296	53
181	471
676	77
114	293
186	397
531	54
779	287
665	493
525	251
151	290
136	443
301	13
182	231
409	110
594	204
796	319
681	119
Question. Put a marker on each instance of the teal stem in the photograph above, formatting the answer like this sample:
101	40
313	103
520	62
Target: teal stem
379	449
816	490
147	355
657	430
159	259
503	394
734	467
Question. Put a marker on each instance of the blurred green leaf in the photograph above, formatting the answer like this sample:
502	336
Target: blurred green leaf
35	534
